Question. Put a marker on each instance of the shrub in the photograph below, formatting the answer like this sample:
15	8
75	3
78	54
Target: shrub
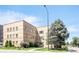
65	48
24	45
31	44
36	45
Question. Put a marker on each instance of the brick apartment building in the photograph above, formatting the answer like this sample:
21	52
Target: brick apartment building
43	35
20	31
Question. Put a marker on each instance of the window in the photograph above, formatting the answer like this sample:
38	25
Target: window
16	28
16	35
41	32
7	29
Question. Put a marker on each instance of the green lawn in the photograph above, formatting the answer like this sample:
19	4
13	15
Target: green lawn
46	49
12	48
36	49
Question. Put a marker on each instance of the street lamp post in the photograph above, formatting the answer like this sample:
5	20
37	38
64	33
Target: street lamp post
47	24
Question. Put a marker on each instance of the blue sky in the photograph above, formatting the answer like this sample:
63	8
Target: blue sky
36	15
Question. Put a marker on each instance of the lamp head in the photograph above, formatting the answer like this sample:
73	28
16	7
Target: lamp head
44	5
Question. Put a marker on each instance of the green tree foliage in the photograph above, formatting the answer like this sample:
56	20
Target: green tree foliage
58	33
24	44
36	45
75	41
31	44
8	44
67	43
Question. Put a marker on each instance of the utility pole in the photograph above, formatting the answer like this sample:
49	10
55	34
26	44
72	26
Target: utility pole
47	24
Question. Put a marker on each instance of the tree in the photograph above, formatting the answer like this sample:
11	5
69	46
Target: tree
75	41
67	43
8	44
58	33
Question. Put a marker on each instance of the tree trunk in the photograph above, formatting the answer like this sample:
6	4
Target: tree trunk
51	45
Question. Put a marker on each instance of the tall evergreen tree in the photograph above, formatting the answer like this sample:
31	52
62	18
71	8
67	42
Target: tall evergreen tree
58	33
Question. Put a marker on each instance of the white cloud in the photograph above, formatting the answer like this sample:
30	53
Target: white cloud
11	16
